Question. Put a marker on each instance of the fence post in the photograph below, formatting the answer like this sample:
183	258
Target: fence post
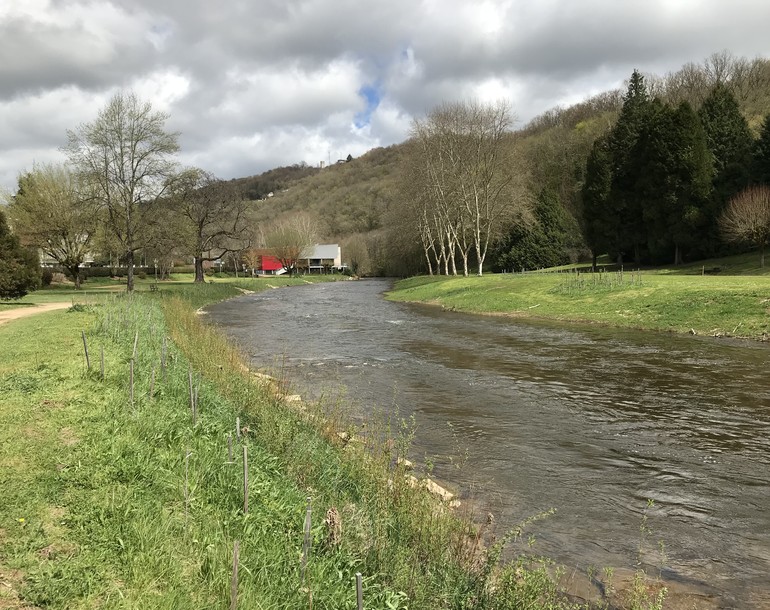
85	348
234	580
306	541
245	480
359	591
131	382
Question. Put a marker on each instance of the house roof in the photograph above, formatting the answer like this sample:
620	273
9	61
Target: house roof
331	251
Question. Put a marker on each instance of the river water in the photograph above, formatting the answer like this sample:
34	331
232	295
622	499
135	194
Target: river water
590	421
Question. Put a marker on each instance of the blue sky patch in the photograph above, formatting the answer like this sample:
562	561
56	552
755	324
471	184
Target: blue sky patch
371	94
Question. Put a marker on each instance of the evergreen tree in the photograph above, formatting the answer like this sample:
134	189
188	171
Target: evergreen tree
19	269
544	244
599	220
727	132
730	142
675	180
760	160
623	197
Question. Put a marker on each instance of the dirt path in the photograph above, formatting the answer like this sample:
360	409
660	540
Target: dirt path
23	312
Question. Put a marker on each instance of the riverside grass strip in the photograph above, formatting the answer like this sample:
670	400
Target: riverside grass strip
110	515
668	300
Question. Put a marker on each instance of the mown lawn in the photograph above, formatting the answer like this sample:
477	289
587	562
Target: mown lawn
737	305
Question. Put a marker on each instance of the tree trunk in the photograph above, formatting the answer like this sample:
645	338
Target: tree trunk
677	255
130	271
593	262
198	270
75	273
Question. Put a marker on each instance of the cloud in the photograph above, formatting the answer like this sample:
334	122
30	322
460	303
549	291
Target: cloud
253	85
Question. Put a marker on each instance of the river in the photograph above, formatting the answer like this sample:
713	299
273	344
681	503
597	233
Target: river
588	420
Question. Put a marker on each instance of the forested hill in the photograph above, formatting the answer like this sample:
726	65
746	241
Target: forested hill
344	199
357	202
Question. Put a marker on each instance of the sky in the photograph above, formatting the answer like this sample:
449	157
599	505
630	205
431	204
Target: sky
254	84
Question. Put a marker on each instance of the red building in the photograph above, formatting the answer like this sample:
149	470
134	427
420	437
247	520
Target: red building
269	264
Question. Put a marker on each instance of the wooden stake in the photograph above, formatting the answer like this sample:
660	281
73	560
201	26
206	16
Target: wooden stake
359	591
195	398
131	381
306	542
151	393
85	348
238	428
192	394
245	480
234	580
136	343
163	359
186	482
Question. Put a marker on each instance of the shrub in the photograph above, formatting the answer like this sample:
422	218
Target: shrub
20	271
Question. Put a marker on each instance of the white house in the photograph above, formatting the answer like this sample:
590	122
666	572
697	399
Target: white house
324	257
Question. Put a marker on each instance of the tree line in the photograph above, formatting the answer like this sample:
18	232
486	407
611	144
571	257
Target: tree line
123	195
659	184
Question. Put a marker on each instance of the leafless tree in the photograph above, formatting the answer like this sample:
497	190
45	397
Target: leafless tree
211	213
126	158
470	183
747	218
291	239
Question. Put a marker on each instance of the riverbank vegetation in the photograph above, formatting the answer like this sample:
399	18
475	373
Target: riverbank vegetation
699	299
123	484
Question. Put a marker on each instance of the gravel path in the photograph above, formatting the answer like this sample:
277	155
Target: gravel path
23	312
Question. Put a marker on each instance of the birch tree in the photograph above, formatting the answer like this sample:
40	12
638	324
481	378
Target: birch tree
470	181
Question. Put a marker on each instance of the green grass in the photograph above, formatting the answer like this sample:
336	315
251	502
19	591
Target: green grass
95	289
101	509
678	300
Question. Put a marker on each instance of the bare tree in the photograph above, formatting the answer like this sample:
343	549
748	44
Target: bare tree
52	213
212	216
251	257
125	156
470	180
747	218
291	240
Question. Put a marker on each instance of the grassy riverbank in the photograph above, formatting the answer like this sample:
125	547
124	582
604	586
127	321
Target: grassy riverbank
116	496
216	288
681	300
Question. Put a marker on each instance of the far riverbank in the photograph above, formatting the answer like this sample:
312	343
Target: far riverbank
712	305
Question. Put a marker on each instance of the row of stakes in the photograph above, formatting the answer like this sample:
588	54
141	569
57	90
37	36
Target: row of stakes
194	389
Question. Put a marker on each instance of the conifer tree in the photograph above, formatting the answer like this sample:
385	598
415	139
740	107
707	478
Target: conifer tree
730	142
19	269
599	219
760	160
624	197
675	180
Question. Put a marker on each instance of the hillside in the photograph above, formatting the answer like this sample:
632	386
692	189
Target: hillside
345	198
350	201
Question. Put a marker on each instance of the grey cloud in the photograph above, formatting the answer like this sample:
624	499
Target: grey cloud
542	52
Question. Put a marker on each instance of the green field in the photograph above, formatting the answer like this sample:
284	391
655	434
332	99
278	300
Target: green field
217	287
731	299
